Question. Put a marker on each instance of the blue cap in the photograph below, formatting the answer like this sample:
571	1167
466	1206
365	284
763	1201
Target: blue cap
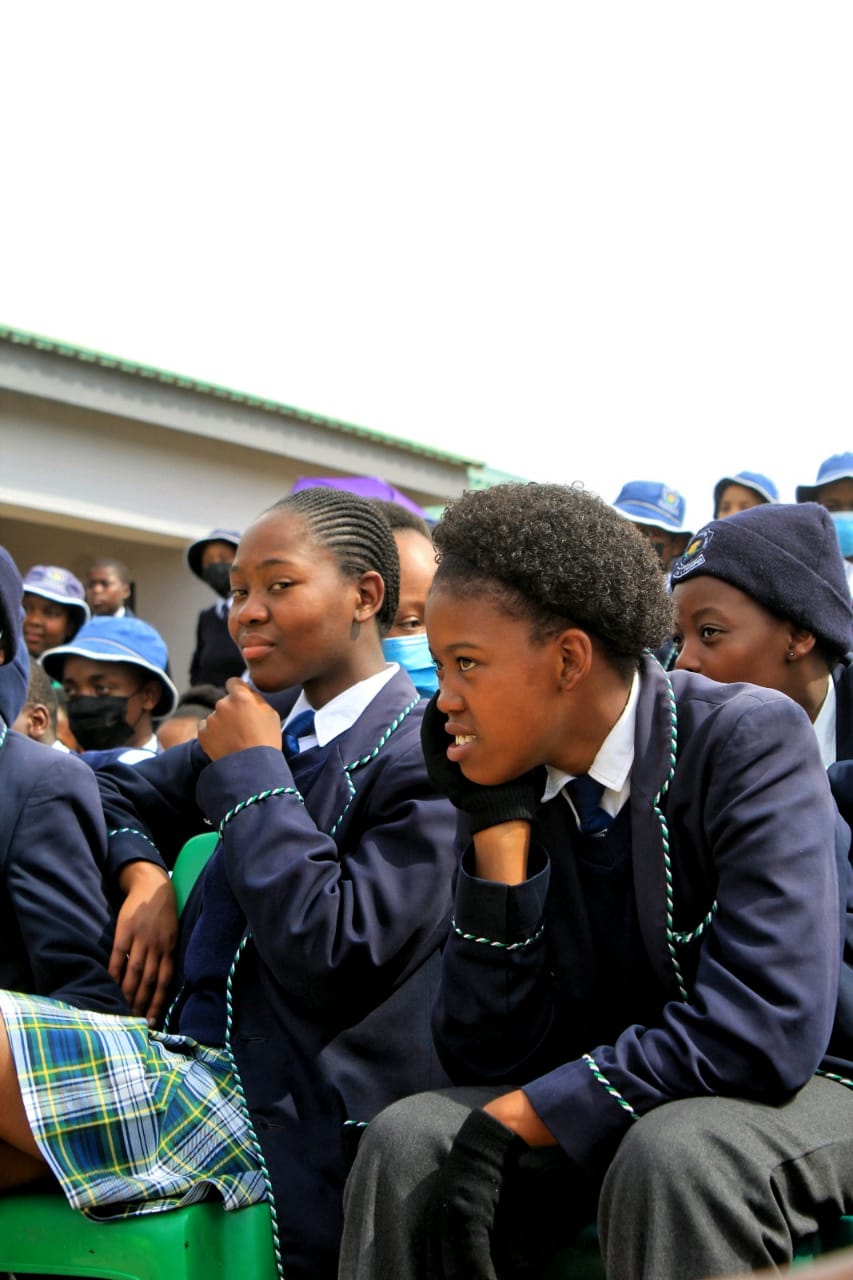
838	467
196	549
55	583
111	639
649	502
754	480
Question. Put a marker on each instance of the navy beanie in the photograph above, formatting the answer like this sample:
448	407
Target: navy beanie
787	558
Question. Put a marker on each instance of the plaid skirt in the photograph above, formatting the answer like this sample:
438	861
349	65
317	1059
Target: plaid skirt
130	1120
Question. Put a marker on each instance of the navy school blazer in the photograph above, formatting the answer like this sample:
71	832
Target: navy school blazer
341	863
742	897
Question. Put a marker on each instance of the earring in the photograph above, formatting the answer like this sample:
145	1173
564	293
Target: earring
791	655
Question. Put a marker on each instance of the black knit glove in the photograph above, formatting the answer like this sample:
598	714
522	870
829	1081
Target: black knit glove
467	1194
486	806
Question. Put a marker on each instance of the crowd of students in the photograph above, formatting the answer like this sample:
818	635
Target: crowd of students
531	900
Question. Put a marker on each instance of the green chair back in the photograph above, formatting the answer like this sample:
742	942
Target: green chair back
190	863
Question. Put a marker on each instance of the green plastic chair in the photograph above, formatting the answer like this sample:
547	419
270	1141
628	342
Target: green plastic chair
40	1232
190	863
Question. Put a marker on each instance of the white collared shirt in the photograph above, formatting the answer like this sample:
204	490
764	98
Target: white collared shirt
613	763
341	712
825	725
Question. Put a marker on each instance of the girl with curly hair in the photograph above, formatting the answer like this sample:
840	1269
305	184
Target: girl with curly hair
639	1002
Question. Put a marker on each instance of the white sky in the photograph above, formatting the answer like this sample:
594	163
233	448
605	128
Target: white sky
576	241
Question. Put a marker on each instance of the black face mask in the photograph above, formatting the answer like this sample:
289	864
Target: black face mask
99	723
218	576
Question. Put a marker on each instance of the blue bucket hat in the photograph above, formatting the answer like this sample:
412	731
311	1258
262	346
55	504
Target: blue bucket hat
754	480
649	502
128	640
196	549
838	467
55	583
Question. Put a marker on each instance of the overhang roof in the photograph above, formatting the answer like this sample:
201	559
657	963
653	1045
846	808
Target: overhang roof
86	355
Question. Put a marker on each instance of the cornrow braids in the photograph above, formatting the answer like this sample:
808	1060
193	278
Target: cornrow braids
557	555
357	535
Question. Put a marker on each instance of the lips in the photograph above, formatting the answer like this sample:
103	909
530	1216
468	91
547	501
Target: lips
255	647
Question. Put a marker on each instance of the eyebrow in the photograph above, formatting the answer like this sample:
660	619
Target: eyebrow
270	562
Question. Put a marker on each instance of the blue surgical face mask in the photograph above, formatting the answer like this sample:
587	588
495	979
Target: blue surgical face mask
412	653
843	521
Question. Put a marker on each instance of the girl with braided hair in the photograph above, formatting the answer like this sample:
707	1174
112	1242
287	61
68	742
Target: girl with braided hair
309	947
639	1003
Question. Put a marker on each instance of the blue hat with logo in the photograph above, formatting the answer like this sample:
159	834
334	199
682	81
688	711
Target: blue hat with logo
195	550
754	480
55	583
650	502
110	639
838	467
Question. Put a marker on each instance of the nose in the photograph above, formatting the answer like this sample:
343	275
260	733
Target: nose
249	608
689	658
449	699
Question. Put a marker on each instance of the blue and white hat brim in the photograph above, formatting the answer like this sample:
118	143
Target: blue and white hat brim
97	649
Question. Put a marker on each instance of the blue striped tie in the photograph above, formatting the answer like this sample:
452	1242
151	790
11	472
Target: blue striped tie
299	727
586	795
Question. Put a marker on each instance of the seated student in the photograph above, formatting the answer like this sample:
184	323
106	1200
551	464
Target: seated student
54	607
39	715
834	490
643	969
742	491
406	641
833	487
658	512
215	658
310	946
108	588
193	706
763	597
55	922
114	676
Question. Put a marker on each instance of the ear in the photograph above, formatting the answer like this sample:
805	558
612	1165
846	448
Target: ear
151	693
800	643
574	649
371	593
39	721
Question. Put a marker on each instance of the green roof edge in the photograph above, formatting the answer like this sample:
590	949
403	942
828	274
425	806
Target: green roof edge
87	355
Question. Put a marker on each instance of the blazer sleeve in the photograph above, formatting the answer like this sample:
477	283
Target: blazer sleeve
53	879
762	1001
150	808
329	912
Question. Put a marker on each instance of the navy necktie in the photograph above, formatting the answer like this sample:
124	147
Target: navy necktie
585	794
299	727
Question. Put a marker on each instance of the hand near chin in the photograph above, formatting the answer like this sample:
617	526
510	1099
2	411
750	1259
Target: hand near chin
486	806
240	720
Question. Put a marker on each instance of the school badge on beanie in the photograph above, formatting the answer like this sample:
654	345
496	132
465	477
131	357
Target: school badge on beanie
693	556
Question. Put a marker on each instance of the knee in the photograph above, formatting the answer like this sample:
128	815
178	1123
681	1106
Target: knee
676	1146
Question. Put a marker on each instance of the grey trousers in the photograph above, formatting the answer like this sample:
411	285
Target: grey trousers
697	1188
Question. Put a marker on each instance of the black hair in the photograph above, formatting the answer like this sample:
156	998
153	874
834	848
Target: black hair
557	555
109	562
41	692
197	701
400	517
357	535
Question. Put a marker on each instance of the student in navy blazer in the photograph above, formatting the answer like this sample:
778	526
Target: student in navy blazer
644	1009
310	946
56	924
